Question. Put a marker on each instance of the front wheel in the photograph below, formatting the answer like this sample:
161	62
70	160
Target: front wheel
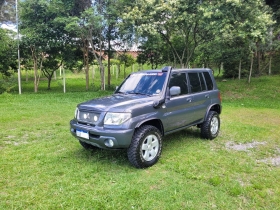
145	148
211	126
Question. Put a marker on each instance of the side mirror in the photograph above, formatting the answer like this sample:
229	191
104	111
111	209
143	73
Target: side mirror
175	90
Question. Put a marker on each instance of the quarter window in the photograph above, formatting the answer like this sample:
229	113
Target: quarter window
208	80
203	86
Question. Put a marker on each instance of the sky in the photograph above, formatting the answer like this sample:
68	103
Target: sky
8	26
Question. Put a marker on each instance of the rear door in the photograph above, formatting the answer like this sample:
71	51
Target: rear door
200	94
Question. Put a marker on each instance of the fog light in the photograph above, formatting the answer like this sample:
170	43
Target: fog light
109	142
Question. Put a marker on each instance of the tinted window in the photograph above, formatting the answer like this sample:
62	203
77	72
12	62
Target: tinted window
208	80
194	82
179	79
202	82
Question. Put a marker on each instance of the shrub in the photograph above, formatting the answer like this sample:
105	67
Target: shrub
7	84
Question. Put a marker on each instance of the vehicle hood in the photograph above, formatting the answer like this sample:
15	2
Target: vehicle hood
118	103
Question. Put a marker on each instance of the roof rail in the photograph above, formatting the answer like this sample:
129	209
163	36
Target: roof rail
166	68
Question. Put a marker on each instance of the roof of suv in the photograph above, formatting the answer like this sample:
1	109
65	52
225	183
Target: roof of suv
164	70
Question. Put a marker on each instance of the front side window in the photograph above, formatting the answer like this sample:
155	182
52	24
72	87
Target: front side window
179	79
146	83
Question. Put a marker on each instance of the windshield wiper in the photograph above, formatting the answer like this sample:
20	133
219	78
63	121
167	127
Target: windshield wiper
120	92
139	93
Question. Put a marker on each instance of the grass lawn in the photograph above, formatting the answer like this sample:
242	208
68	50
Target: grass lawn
43	167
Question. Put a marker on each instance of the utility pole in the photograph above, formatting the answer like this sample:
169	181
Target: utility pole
19	74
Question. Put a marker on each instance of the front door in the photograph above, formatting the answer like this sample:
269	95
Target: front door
178	110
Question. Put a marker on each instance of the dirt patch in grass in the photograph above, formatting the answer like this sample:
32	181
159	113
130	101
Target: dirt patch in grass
275	161
243	147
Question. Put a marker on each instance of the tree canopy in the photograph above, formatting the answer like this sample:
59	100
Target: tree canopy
240	36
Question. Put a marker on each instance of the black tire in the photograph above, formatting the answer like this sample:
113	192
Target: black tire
145	148
211	126
86	145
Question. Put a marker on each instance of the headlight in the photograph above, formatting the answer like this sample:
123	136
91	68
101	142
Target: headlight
112	118
76	113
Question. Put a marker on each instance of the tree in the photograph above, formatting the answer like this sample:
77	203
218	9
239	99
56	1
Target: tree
8	54
239	24
89	28
190	27
152	51
179	23
78	8
127	60
45	37
274	38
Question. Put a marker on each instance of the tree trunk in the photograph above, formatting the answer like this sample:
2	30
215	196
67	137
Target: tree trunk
124	73
258	58
35	77
102	75
26	75
64	81
35	66
109	64
49	83
269	68
87	63
239	70
251	68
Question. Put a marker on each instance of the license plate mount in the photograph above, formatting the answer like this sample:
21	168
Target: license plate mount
83	134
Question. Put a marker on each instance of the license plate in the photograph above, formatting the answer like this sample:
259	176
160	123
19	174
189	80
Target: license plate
83	134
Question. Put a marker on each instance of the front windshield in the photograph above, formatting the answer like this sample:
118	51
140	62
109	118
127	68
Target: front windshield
146	83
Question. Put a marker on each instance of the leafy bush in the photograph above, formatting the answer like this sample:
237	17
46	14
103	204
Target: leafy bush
275	68
7	84
231	69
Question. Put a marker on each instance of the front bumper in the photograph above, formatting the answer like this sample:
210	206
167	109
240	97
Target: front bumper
98	135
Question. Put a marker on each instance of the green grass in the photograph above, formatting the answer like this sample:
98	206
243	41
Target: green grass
43	167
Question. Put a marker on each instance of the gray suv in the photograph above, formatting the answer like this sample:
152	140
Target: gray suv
147	106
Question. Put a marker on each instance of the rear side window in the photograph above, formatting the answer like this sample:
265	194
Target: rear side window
194	82
200	82
209	82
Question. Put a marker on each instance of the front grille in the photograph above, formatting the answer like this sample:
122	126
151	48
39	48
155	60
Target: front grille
88	116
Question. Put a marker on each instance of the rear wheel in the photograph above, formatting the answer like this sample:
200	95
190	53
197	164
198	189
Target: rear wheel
145	148
211	126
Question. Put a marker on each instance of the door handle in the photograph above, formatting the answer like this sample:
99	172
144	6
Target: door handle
207	96
189	100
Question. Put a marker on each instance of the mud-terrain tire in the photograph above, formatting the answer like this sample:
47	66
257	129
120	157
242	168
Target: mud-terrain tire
145	148
211	126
